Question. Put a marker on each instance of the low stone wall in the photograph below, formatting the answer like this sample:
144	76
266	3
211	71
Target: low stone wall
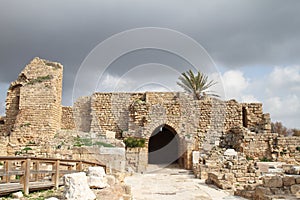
288	149
278	187
136	159
112	157
263	145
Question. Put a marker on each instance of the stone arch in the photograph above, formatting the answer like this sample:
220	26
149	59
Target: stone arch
164	145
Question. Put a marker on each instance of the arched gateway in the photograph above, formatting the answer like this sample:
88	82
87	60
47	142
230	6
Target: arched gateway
163	146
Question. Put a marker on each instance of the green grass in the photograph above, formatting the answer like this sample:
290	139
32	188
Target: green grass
249	158
79	142
265	159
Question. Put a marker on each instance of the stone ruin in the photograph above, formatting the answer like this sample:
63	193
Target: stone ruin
199	131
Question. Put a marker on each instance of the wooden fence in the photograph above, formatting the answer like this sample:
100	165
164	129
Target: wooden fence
29	170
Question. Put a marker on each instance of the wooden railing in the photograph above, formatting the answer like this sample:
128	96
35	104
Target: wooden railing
25	170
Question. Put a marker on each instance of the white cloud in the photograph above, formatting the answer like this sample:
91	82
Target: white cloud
115	83
279	91
235	84
249	99
285	79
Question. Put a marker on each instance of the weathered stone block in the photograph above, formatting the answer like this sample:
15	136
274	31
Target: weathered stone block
295	189
288	180
110	134
261	192
97	177
76	187
272	181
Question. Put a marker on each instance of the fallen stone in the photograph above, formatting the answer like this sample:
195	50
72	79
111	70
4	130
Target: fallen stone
272	181
97	178
230	152
76	187
295	189
288	180
111	180
261	192
17	195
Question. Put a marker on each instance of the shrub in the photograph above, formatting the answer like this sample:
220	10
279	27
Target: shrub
298	148
265	159
134	142
249	158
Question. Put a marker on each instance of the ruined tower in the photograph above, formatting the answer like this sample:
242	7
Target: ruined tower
33	104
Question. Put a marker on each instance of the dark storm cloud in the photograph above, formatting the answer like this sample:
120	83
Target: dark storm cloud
236	33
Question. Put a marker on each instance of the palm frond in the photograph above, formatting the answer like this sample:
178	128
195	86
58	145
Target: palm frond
196	84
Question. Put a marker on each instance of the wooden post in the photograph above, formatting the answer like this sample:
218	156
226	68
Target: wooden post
36	167
79	166
55	176
26	176
7	170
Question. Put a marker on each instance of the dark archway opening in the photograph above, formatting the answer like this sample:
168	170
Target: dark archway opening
163	146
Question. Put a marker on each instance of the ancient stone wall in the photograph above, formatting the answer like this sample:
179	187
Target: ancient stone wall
3	145
137	159
287	149
34	115
67	118
109	111
33	112
276	187
263	145
82	114
2	126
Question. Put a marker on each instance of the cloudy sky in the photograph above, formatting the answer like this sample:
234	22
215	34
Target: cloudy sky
254	44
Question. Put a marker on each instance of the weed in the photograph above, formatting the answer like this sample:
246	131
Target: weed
25	125
134	142
265	159
40	79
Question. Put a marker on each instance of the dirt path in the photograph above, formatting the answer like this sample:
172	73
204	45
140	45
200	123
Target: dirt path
173	184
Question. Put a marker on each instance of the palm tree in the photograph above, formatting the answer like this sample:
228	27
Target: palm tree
196	84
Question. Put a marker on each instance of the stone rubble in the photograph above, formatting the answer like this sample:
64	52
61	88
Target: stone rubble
77	188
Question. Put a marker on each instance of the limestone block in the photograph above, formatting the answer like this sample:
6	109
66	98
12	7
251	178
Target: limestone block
196	157
288	180
76	187
260	192
272	181
230	152
97	177
110	134
111	180
97	182
294	170
17	195
295	189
